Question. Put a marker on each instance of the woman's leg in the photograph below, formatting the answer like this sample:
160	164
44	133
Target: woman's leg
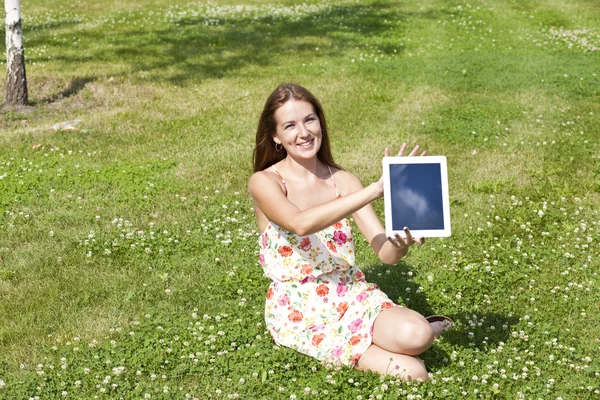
384	362
403	331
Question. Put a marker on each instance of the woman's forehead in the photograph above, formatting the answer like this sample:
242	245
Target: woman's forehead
292	109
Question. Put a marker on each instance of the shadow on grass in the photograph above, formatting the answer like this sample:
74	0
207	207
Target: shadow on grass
473	328
195	47
75	87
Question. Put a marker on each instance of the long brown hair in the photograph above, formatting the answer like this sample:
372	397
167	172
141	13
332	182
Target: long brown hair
265	154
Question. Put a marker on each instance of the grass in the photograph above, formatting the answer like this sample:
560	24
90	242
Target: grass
128	254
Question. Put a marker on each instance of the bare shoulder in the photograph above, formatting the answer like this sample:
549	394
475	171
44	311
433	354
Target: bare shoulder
262	181
341	174
346	181
260	178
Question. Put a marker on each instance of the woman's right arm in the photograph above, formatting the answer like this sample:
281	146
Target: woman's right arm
270	199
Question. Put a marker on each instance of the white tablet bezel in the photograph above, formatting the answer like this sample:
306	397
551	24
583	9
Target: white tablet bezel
416	233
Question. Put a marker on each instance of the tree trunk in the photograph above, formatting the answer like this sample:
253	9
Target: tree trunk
16	81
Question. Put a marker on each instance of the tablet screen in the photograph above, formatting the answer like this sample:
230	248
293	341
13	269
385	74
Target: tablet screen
416	196
416	191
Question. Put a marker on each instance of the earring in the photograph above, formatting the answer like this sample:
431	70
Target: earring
280	146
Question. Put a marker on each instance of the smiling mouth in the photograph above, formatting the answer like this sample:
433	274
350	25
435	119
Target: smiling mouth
307	144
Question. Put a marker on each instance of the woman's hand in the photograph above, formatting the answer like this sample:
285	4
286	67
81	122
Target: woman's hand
403	150
401	244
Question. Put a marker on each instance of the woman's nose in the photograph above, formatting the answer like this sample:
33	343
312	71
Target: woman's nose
304	130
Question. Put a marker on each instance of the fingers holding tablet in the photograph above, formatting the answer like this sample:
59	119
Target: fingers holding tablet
402	150
408	240
415	151
409	237
401	243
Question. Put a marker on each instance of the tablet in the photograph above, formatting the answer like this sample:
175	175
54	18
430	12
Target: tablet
416	196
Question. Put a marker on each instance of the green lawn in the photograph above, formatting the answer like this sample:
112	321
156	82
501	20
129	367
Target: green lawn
128	247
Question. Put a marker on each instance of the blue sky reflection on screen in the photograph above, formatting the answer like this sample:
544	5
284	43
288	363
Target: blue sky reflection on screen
416	194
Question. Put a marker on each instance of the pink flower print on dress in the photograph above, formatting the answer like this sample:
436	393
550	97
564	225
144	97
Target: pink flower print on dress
283	300
363	296
355	325
305	244
261	260
342	289
336	352
264	240
339	237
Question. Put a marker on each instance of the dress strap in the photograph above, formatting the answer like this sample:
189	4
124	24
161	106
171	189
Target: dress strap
333	180
281	177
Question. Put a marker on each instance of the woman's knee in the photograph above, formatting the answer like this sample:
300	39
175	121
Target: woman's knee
403	331
415	336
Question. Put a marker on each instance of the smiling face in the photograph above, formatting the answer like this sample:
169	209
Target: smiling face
298	129
290	102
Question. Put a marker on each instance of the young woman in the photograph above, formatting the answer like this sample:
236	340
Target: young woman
319	302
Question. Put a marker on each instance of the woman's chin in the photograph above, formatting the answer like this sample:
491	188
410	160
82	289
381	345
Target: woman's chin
306	154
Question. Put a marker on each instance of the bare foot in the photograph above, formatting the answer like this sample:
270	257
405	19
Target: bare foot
440	327
440	324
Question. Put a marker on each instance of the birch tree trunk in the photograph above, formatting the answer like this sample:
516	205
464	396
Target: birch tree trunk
16	81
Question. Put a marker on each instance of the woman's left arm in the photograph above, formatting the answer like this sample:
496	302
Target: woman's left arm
389	250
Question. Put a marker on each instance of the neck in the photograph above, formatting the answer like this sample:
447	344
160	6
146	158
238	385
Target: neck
303	169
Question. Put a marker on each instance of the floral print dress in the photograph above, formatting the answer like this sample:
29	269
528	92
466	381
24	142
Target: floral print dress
319	302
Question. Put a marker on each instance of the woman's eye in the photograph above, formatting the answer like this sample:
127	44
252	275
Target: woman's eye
288	126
